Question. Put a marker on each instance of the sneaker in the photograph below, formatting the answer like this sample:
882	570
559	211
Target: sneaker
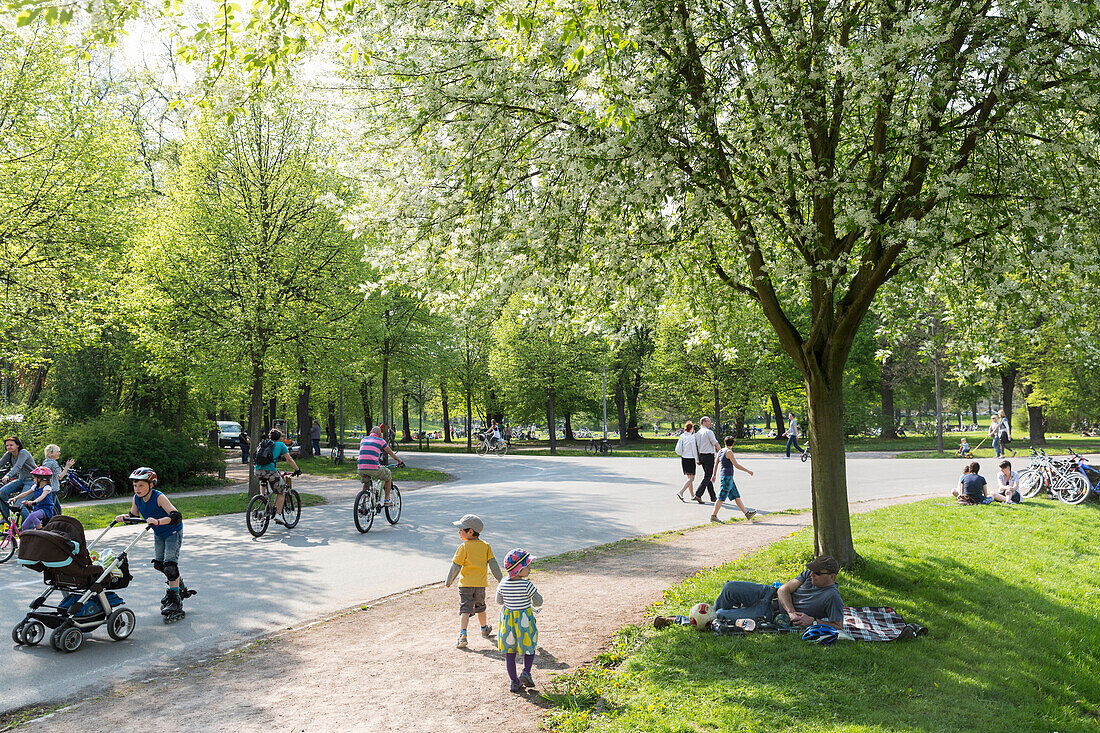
462	641
487	630
387	505
714	518
751	513
516	686
661	622
525	680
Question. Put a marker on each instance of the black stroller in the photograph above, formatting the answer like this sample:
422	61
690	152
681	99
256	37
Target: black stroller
59	552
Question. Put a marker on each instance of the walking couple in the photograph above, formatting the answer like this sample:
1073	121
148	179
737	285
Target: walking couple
698	447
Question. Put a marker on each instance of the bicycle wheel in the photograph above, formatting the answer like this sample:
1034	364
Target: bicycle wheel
292	508
102	488
393	513
256	516
1072	489
364	510
805	455
502	449
482	448
1030	482
608	449
590	448
8	543
332	454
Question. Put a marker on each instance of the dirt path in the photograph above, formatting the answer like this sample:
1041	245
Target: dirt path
394	666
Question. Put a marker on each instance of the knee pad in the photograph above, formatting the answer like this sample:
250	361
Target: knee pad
158	566
171	571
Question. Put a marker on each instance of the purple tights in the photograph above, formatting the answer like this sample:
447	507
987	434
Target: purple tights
510	664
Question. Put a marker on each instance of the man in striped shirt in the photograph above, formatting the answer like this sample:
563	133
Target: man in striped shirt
370	467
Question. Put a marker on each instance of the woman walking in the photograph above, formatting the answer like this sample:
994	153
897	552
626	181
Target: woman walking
1004	429
689	459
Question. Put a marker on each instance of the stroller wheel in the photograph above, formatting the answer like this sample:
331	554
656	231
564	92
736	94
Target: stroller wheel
120	624
17	631
67	639
32	632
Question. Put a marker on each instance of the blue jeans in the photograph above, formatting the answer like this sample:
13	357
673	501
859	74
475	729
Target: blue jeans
792	440
997	445
316	446
12	488
167	549
740	599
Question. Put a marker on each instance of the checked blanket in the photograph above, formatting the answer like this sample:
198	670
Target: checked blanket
867	623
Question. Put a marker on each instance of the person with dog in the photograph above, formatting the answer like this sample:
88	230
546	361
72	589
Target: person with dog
167	523
811	597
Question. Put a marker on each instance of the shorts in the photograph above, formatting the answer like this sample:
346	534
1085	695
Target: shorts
167	549
471	600
381	473
729	489
688	464
274	480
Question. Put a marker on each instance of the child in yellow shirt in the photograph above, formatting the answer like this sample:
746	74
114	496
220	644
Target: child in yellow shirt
471	565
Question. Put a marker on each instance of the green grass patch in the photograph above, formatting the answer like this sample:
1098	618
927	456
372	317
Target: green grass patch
1011	596
191	507
324	467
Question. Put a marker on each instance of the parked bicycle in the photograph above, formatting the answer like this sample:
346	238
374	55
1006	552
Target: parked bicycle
336	455
1044	474
369	503
598	447
261	507
1076	485
88	484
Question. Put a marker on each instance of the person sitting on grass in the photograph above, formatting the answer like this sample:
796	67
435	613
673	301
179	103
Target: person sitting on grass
974	489
811	597
1008	484
960	489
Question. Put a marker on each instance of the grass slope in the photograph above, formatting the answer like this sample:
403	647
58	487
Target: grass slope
324	467
1011	596
190	506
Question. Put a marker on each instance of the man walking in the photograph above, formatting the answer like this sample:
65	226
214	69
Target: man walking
707	445
792	434
315	436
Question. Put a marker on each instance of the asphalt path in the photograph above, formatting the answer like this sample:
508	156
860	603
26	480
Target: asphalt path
249	587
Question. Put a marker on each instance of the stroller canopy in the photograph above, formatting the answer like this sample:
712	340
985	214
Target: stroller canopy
58	544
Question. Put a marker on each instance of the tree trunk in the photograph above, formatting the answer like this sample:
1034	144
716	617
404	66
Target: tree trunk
551	420
272	406
974	412
446	413
1008	386
330	426
38	382
406	429
767	420
888	423
832	526
255	426
1034	419
469	417
632	391
386	392
739	423
301	416
569	427
778	412
365	396
620	407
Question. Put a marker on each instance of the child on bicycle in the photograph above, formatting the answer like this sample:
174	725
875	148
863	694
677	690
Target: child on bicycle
516	631
40	507
472	561
167	524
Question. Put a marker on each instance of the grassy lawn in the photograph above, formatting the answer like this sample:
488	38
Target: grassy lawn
1013	641
190	506
324	467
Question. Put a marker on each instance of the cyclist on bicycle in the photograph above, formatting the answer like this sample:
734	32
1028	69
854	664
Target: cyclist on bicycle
269	472
369	465
492	434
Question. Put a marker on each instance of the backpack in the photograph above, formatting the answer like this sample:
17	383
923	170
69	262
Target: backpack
265	452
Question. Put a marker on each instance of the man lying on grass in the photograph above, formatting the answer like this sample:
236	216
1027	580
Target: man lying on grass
809	598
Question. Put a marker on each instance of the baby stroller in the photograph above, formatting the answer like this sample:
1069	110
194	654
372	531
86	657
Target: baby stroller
88	601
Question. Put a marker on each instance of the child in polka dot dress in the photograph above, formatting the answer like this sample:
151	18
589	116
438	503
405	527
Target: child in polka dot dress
517	633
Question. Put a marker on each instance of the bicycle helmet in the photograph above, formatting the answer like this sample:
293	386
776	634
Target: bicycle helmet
144	474
820	634
42	472
516	561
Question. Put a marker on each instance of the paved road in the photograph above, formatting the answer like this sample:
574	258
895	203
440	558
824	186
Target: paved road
250	587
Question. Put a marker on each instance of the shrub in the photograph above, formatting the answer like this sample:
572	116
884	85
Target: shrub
117	444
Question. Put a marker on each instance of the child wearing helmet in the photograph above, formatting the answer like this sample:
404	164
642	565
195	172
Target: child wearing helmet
40	507
167	523
517	632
